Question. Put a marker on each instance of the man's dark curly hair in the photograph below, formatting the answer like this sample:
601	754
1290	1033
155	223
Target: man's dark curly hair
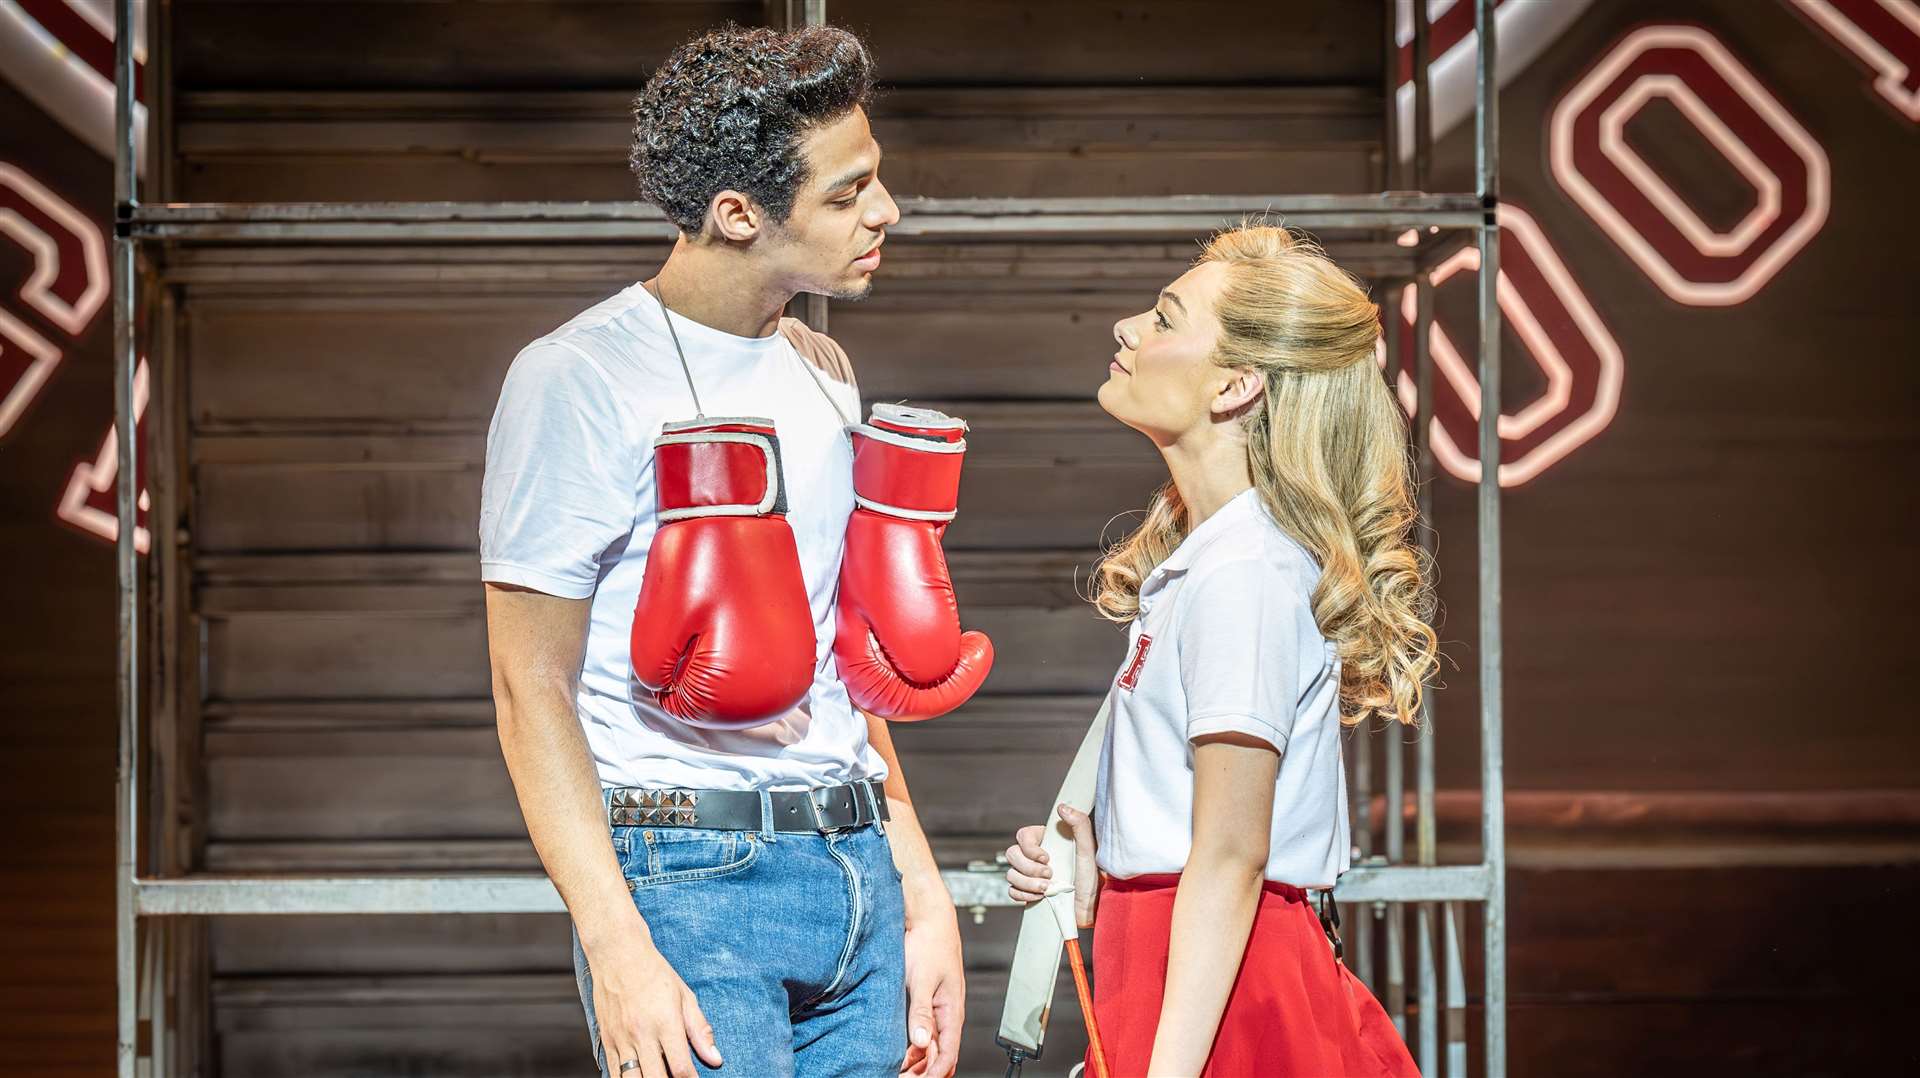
727	111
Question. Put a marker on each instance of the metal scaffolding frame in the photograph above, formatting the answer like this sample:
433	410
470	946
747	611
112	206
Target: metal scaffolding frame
1377	882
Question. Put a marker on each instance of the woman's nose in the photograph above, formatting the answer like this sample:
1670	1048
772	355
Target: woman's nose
1125	336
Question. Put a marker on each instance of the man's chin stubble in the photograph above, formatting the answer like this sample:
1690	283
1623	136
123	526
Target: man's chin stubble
853	293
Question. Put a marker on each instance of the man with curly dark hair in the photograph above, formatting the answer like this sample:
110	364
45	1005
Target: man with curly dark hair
728	932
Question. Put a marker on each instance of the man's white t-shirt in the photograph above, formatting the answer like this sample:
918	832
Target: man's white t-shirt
1225	641
567	507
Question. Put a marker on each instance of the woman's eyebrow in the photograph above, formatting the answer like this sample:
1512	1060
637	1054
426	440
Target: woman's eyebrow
1168	295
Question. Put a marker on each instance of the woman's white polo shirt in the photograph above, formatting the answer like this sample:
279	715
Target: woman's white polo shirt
1225	642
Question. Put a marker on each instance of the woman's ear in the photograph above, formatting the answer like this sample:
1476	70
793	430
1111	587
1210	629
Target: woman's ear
736	217
1243	386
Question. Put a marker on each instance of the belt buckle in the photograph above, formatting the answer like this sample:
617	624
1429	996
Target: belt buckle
819	818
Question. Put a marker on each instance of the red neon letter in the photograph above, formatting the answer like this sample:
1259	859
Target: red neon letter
1885	35
1690	261
1563	335
89	502
67	285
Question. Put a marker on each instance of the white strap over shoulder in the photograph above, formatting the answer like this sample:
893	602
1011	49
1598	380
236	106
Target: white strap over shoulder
1047	924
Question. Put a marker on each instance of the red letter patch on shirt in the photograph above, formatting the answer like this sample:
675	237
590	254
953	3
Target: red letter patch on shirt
1131	675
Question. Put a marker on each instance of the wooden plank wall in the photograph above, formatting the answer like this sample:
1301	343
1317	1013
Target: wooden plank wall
337	402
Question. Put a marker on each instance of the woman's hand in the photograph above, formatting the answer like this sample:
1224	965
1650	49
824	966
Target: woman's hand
1030	876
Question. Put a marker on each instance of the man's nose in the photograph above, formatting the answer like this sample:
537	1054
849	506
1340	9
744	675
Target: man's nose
887	211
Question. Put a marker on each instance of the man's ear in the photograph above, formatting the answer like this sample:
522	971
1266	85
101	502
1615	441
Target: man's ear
735	217
1244	385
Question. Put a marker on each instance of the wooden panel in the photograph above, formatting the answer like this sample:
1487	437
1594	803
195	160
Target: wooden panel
347	654
337	491
524	43
383	946
1316	42
522	1026
391	341
409	640
342	490
530	43
527	1026
312	146
418	783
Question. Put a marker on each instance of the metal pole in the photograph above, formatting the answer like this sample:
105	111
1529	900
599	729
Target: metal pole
1393	928
1422	98
127	674
813	308
1453	917
1393	819
1390	97
1361	917
1423	817
1425	844
1429	1037
1493	785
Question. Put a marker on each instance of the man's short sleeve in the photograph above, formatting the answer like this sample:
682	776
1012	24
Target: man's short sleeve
561	475
1239	643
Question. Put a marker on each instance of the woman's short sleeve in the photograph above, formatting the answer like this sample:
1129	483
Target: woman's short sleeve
1239	641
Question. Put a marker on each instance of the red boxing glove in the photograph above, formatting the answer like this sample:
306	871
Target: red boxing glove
722	631
898	642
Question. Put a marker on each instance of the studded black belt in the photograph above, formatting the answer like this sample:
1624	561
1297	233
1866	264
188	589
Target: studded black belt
828	808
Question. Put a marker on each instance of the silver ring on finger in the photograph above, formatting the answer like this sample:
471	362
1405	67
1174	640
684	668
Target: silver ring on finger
629	1065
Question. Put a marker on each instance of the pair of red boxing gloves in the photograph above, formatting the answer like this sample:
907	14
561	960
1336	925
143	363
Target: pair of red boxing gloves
723	630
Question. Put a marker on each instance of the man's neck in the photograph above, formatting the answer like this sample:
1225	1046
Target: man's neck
720	287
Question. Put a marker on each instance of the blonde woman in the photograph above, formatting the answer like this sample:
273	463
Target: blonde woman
1271	598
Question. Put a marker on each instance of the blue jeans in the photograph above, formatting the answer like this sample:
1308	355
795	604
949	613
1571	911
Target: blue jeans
793	944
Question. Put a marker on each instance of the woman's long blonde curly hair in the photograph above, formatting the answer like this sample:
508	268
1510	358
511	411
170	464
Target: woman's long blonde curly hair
1327	449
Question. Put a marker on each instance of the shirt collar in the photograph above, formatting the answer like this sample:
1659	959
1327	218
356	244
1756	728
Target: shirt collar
1238	508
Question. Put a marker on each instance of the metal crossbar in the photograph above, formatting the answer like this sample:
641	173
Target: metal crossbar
1439	891
925	218
209	896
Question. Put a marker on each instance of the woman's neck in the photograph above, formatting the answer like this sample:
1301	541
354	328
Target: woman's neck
1208	471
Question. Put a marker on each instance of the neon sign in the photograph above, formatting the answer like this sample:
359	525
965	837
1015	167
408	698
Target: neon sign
1688	259
67	285
89	500
1564	337
1885	35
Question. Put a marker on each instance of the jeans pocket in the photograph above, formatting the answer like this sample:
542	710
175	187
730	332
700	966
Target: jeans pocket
674	855
886	850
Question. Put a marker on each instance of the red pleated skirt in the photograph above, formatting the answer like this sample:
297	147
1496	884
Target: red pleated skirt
1295	1011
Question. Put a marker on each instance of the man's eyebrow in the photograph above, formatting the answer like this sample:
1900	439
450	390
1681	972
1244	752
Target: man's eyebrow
1175	299
855	174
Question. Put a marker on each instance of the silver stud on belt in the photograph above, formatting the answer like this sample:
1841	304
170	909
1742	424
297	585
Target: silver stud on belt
658	808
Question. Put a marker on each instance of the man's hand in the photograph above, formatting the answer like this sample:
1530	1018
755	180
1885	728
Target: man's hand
646	1012
936	977
644	1009
936	987
1029	876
